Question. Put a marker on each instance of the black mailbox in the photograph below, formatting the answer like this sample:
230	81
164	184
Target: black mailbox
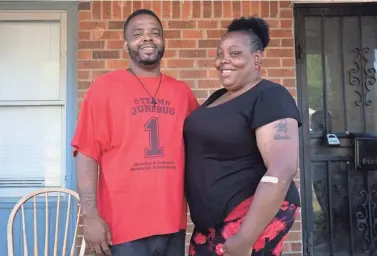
365	151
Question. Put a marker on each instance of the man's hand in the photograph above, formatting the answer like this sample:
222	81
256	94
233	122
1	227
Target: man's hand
237	246
97	234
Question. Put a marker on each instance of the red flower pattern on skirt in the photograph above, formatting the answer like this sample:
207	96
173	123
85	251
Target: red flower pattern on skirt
209	242
200	238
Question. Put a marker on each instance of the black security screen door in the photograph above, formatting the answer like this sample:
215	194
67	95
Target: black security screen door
336	52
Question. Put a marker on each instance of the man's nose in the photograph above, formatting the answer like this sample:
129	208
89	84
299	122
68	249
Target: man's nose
147	37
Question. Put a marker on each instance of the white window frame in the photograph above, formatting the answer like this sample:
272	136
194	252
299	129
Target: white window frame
61	17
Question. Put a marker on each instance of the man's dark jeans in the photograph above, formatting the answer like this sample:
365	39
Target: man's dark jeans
160	245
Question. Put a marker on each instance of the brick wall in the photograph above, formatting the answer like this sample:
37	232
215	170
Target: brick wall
192	30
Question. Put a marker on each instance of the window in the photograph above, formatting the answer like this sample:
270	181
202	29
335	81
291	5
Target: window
32	101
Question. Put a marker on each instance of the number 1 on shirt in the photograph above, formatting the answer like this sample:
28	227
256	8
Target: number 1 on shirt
154	149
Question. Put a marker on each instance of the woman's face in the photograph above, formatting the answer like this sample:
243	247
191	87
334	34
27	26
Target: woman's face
235	61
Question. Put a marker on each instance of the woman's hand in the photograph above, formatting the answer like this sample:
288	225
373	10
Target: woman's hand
237	245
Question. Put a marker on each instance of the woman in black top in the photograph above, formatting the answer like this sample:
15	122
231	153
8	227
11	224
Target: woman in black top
242	153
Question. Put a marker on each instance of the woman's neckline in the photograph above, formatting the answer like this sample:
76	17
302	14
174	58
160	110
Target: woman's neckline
223	91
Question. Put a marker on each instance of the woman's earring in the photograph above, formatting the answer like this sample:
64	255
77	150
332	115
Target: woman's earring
257	67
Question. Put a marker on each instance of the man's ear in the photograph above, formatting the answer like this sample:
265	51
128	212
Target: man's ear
125	46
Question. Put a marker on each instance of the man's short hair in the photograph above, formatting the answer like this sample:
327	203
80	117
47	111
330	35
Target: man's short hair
137	13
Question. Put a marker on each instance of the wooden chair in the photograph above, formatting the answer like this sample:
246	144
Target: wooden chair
60	196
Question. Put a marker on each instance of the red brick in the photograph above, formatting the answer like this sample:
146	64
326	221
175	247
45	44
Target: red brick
246	8
287	42
208	43
83	35
186	9
265	9
286	24
209	83
127	8
146	4
207	24
176	12
274	9
84	54
175	43
205	63
274	42
286	14
83	75
296	247
217	9
288	62
171	54
172	34
196	9
104	55
156	7
269	62
236	8
166	10
136	5
114	44
199	73
85	15
106	9
192	53
96	10
180	63
91	64
255	8
91	25
191	84
181	24
207	9
116	24
281	33
225	23
280	72
227	9
117	10
279	53
201	93
216	34
91	44
117	64
192	34
83	85
289	82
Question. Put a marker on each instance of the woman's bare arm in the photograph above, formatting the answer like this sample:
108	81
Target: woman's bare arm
278	144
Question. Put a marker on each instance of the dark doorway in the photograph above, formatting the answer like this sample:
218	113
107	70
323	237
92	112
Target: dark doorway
336	53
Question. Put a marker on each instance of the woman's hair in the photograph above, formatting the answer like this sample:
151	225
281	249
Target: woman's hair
257	28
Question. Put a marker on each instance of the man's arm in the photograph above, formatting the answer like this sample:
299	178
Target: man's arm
87	176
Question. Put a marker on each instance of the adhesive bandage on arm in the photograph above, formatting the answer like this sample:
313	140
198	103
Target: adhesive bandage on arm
270	179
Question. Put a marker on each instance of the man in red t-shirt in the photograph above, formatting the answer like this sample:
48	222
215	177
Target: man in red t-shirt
130	151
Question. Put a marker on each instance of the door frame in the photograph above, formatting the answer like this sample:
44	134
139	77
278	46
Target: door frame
300	12
70	8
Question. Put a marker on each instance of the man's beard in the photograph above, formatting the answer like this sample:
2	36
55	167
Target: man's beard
134	55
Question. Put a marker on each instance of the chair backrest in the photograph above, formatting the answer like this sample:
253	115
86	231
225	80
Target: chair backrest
61	197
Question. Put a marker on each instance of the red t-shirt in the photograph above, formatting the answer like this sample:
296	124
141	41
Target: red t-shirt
139	150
